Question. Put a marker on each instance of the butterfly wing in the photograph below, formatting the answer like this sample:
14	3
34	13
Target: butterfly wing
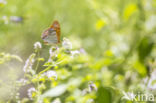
52	34
56	27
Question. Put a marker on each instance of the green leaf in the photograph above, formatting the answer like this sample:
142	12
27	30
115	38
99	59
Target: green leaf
103	95
54	92
145	48
140	68
129	11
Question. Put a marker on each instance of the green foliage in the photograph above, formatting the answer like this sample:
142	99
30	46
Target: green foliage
145	48
104	95
110	51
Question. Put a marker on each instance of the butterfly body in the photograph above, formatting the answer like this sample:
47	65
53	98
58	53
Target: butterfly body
52	35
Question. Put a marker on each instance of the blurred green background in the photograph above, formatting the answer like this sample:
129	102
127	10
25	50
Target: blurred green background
96	24
122	30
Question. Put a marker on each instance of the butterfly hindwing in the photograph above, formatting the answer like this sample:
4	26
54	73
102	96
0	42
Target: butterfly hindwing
51	37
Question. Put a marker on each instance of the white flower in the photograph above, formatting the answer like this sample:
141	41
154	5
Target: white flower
29	63
37	45
82	51
75	52
57	100
5	19
30	91
85	91
150	22
22	81
53	53
50	74
151	84
3	2
92	86
66	43
90	101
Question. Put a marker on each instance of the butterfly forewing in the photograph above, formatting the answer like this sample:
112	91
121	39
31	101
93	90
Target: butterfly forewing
56	26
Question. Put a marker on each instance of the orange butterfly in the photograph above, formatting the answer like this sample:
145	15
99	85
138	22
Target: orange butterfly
52	35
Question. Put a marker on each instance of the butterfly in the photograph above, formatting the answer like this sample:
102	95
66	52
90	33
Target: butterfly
52	34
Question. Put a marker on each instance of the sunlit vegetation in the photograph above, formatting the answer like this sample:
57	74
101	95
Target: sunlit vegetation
107	52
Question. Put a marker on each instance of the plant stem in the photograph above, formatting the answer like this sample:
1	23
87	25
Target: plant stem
38	54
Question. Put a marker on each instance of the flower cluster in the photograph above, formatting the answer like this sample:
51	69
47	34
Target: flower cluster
51	74
151	83
67	44
92	86
37	46
31	92
22	81
39	78
29	63
53	53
